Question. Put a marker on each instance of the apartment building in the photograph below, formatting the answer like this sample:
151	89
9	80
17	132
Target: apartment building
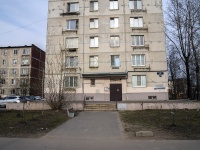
21	70
112	50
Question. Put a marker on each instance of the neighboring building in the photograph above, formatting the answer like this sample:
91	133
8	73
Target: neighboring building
21	70
114	49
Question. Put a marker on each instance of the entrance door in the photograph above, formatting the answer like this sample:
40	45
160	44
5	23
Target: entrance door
115	92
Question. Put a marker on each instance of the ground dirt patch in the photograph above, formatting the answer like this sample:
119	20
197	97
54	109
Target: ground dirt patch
33	124
166	124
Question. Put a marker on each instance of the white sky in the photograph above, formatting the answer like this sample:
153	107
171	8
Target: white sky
24	22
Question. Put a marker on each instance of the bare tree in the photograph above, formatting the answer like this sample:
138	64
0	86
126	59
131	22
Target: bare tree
181	33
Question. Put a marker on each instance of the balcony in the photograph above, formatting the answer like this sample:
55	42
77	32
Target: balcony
145	47
69	13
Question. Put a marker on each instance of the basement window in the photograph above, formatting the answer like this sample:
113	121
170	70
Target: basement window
152	97
89	98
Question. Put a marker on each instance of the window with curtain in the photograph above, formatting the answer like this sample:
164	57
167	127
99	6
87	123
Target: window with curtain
139	81
137	40
71	42
13	81
72	24
114	22
25	61
14	71
25	71
94	41
94	23
114	4
136	22
94	61
72	61
73	7
138	60
94	6
114	41
115	61
135	4
71	81
14	61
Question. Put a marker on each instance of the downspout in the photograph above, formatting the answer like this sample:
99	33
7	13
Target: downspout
83	90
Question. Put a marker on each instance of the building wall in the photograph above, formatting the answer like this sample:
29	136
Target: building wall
33	59
154	49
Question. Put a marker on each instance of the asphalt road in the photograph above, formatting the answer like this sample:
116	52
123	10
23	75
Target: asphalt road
92	131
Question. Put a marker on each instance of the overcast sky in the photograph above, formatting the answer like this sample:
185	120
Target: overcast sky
24	22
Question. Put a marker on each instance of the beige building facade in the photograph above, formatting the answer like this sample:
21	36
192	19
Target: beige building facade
112	50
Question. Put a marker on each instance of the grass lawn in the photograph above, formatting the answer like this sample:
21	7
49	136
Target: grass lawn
33	124
166	124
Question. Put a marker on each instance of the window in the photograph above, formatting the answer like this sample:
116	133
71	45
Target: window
14	71
3	71
114	41
94	6
136	22
24	82
72	24
94	61
72	43
113	4
25	51
13	91
15	52
92	82
135	4
2	91
114	22
13	81
72	61
3	81
139	81
71	81
5	52
94	23
115	61
138	60
94	41
25	71
14	61
73	7
137	40
4	62
25	61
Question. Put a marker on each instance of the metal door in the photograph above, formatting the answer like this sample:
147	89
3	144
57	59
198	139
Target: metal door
115	92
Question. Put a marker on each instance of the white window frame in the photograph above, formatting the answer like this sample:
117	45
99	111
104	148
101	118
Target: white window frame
136	22
114	41
71	62
25	61
94	61
114	22
94	5
4	62
2	91
72	43
137	40
15	51
139	81
114	5
94	41
25	51
73	10
14	71
138	60
13	91
14	61
72	24
5	52
25	71
13	81
115	61
135	4
94	23
71	82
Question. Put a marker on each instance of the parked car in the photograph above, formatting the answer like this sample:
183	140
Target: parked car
9	99
38	97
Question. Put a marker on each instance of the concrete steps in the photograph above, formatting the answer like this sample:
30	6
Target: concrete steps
100	106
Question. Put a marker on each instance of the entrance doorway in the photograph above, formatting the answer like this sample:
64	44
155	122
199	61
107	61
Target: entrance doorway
115	92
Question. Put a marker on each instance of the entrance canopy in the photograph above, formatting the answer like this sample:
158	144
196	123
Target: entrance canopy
106	75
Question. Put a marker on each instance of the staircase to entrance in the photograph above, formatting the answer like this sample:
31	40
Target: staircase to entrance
100	106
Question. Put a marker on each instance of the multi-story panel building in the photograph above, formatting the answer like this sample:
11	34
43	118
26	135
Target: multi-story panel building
116	48
21	70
